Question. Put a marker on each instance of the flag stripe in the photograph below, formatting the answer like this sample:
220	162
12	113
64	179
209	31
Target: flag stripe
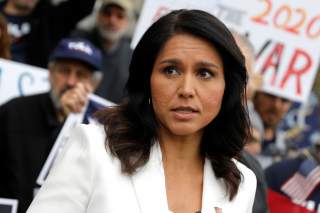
300	187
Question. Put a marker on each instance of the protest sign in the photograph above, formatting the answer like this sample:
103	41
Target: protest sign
8	205
285	34
153	9
17	79
95	103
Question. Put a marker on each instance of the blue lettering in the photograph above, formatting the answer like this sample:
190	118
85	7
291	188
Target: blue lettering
24	77
0	75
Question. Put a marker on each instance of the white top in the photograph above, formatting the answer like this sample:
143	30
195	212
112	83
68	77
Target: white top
87	179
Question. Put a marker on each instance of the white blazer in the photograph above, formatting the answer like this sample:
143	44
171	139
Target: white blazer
87	179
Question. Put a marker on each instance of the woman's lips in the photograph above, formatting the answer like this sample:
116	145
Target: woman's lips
184	113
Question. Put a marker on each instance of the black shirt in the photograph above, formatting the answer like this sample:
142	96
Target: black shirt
19	28
28	129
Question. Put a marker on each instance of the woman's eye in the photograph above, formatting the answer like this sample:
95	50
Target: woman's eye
205	73
170	70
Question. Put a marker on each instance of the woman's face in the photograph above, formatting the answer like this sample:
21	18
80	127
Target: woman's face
187	85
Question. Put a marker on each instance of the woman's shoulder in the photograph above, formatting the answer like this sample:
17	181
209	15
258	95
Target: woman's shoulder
248	183
87	141
92	128
87	138
90	132
243	202
247	173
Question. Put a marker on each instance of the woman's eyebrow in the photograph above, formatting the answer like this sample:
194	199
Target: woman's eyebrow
202	63
209	64
169	61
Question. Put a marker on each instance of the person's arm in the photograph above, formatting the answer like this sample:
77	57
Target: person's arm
67	14
69	184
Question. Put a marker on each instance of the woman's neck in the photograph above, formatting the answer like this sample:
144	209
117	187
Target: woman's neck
183	170
182	152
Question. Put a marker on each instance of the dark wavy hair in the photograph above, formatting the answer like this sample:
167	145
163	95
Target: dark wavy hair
131	127
5	40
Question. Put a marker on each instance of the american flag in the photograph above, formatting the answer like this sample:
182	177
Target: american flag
304	181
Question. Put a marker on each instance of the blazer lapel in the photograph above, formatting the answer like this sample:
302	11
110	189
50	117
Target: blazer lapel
150	189
149	184
214	193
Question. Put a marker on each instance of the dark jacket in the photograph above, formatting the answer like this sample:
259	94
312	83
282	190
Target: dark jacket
49	24
28	129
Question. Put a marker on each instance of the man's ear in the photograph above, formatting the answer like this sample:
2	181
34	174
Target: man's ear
96	79
50	69
50	75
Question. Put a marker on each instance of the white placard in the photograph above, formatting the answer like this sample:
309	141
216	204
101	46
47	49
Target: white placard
285	34
17	79
153	9
8	205
95	102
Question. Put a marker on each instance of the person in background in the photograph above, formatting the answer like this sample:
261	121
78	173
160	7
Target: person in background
253	145
254	84
173	146
4	39
109	34
37	26
260	202
272	109
29	125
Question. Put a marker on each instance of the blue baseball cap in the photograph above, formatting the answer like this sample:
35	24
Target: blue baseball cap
78	49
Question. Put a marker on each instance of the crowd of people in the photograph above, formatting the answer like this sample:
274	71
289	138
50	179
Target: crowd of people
99	60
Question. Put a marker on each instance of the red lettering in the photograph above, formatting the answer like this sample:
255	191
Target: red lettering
273	61
263	48
160	12
293	71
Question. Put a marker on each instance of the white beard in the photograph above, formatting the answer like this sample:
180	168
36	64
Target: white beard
55	100
111	35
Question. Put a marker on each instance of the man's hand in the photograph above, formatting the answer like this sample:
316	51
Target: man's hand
73	100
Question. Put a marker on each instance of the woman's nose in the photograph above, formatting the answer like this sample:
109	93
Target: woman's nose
187	86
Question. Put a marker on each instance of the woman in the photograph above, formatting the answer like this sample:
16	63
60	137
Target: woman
172	146
4	39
